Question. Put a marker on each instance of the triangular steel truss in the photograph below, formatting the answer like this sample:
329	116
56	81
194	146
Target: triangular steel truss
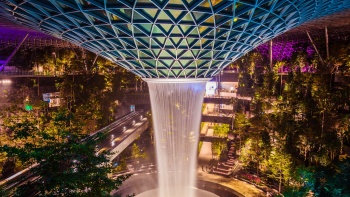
169	38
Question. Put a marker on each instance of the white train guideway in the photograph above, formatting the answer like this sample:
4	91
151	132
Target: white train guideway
119	129
118	145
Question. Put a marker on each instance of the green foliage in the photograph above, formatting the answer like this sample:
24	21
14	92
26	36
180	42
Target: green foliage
241	123
240	126
253	153
333	181
136	152
200	144
89	101
67	166
300	119
279	167
122	166
302	182
217	148
3	159
3	191
247	153
202	125
221	130
321	181
204	105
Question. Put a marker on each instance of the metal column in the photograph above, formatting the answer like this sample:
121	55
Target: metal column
270	55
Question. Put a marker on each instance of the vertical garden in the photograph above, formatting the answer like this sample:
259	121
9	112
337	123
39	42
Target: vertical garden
297	138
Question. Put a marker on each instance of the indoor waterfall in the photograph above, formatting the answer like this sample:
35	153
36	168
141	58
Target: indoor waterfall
176	112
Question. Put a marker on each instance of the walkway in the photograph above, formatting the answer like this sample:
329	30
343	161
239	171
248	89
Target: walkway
204	158
205	155
119	144
242	187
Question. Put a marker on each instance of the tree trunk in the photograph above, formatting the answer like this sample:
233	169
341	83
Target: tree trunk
341	145
322	121
38	86
136	85
281	85
240	145
280	183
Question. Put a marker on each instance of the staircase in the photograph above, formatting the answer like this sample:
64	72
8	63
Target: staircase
231	165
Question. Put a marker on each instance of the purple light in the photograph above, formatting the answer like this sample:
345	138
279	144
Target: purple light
282	50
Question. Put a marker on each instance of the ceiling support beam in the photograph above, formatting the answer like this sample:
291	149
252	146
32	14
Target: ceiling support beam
270	54
313	44
2	67
327	43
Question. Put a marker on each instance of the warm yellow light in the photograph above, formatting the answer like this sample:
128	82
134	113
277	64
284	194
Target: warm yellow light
5	81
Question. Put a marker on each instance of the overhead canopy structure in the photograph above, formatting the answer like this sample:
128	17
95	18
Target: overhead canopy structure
169	38
34	40
11	34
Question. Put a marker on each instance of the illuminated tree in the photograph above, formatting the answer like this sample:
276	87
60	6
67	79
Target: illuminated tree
342	128
240	126
217	147
279	167
136	152
221	130
67	165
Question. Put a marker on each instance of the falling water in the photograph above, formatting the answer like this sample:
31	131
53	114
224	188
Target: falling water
176	112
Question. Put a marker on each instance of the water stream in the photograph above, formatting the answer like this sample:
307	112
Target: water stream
176	112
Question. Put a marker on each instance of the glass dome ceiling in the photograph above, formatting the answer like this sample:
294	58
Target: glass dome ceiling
169	38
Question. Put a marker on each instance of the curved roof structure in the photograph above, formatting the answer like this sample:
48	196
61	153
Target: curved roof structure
10	38
12	33
169	38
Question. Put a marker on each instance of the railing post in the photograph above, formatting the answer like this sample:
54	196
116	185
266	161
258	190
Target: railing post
270	54
327	45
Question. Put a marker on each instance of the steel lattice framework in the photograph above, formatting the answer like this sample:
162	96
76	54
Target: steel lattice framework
169	38
32	41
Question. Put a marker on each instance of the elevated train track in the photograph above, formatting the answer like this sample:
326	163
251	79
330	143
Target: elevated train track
119	130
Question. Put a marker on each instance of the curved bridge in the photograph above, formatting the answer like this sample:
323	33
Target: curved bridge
121	133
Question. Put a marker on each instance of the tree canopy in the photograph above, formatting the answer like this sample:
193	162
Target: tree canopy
67	163
299	125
